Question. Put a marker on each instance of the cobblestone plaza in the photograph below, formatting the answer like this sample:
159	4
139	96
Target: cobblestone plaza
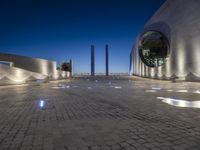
99	114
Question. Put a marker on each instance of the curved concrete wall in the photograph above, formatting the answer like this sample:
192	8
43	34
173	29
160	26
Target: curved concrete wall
25	69
13	75
179	21
37	65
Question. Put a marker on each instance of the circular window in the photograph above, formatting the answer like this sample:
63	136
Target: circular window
153	48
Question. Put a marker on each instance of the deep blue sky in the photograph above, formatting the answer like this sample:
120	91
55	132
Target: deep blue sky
63	29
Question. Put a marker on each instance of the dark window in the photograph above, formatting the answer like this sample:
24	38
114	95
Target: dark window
153	49
66	67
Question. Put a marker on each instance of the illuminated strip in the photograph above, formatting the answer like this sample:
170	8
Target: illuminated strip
182	91
180	103
118	87
197	92
170	90
156	88
151	91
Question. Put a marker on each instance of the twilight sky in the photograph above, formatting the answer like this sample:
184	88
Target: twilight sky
64	29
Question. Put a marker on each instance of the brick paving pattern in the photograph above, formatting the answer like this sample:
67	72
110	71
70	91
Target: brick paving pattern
98	114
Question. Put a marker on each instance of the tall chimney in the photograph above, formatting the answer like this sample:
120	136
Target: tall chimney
92	61
107	61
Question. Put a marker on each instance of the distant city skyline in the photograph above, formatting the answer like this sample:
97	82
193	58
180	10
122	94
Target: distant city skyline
61	30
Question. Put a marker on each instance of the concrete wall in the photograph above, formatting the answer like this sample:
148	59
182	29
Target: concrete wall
13	75
37	65
179	21
26	69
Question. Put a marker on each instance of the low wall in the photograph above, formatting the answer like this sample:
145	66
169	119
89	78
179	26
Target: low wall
26	69
37	65
13	75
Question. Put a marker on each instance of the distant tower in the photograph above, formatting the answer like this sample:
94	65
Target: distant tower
71	67
107	61
92	61
131	64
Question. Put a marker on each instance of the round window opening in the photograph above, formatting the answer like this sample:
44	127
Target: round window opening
153	48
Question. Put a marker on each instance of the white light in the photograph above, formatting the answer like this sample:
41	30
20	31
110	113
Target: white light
180	103
182	91
19	76
155	88
197	92
160	98
89	88
18	80
67	86
151	91
152	72
55	87
58	87
41	103
168	68
195	55
55	74
160	72
181	59
170	90
118	87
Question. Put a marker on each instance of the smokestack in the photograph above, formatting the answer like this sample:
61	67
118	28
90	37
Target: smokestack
92	61
107	61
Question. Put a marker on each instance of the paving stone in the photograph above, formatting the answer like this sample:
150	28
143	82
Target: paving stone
72	148
102	118
105	147
130	148
116	147
124	144
95	147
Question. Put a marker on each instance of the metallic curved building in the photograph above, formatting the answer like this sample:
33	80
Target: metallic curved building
169	45
15	69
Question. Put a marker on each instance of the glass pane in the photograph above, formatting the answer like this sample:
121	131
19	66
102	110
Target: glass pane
153	49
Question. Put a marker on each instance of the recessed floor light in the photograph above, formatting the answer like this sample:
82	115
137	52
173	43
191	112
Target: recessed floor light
197	92
180	103
156	88
41	103
151	91
170	90
118	87
182	91
58	87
